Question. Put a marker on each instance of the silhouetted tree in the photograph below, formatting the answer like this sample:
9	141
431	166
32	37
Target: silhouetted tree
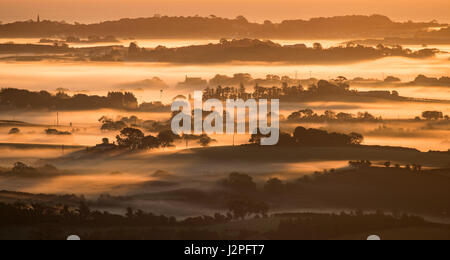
51	131
130	138
239	181
166	138
317	46
150	142
133	48
111	125
432	115
356	138
303	136
256	137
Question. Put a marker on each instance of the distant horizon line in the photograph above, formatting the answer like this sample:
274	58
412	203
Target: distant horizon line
258	21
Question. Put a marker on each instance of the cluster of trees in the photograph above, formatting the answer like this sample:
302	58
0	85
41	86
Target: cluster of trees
23	99
11	98
36	214
360	164
313	137
239	182
241	201
242	208
433	115
367	164
21	169
256	50
398	50
414	167
51	131
134	139
109	124
423	80
338	87
247	79
305	136
308	115
203	140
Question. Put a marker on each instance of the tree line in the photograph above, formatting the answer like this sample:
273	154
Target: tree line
11	98
137	224
308	115
134	139
338	87
314	137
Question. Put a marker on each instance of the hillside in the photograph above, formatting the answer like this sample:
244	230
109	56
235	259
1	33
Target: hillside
339	27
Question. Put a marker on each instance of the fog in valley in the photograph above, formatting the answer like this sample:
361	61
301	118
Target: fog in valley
179	180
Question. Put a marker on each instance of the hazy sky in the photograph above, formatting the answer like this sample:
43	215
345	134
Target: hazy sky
254	10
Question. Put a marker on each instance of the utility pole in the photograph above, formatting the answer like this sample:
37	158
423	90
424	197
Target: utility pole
57	118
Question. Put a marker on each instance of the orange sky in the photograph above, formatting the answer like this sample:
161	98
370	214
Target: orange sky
255	10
